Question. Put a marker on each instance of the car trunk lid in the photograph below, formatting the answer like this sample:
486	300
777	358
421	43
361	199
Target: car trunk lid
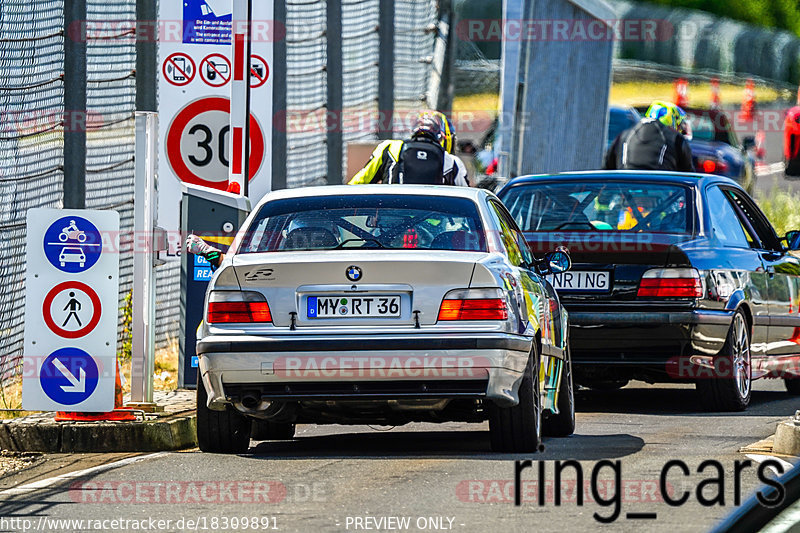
608	266
308	287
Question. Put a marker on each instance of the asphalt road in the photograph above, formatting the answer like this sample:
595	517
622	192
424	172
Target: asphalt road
439	477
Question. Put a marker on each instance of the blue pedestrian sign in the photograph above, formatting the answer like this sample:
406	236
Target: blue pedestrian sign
69	376
73	244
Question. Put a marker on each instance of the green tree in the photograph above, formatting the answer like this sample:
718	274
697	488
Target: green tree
781	14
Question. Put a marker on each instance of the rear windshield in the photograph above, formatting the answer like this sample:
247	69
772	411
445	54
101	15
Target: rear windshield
600	206
366	221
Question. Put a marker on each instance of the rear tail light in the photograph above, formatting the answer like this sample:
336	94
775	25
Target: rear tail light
671	283
474	304
237	307
712	166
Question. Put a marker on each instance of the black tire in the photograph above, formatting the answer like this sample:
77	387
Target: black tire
562	424
266	430
792	385
517	429
732	387
220	431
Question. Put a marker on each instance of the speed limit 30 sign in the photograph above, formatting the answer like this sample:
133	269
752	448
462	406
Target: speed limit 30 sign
197	143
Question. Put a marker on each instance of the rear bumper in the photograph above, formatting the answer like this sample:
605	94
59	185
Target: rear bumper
380	367
647	338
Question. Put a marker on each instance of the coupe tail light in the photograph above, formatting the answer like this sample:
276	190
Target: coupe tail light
474	304
237	307
671	283
712	166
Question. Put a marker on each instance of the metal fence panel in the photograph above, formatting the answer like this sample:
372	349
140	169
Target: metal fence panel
31	147
565	79
110	104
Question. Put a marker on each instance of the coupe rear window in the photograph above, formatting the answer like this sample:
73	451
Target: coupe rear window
366	221
600	206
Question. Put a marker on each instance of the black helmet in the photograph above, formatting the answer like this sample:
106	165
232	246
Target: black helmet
429	125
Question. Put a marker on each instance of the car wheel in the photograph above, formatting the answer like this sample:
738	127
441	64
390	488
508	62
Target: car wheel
517	429
563	424
731	387
220	431
266	430
792	385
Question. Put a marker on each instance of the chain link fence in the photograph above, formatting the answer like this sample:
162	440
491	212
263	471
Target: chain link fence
32	132
31	148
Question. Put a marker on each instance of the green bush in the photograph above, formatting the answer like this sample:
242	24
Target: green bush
126	334
782	207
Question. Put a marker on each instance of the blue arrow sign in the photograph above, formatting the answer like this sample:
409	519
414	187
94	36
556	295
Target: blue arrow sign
69	376
73	244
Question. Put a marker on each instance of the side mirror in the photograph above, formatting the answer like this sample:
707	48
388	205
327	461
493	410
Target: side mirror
793	239
557	262
749	143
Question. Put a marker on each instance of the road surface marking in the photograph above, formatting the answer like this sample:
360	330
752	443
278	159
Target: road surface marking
44	483
761	458
768	170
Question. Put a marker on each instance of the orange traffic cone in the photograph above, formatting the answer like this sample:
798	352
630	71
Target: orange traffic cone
716	102
749	102
118	414
681	97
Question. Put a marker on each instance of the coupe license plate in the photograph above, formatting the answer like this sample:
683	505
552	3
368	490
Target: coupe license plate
584	281
353	306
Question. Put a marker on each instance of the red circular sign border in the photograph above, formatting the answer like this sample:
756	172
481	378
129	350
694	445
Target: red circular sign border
181	120
230	71
164	69
266	78
48	301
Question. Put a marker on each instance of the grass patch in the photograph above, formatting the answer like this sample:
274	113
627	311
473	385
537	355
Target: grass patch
11	398
782	208
634	94
487	102
643	93
165	376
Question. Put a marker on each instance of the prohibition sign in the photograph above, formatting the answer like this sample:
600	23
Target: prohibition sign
259	71
215	70
178	129
179	69
48	303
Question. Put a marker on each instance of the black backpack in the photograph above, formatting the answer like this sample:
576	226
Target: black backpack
647	147
421	163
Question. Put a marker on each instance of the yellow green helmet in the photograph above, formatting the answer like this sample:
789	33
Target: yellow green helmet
667	113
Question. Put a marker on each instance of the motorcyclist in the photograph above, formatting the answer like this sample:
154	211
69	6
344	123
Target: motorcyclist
426	158
657	142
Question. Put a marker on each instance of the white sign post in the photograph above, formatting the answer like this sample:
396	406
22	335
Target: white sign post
196	71
71	310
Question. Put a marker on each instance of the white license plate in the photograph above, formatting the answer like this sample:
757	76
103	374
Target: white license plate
578	280
387	305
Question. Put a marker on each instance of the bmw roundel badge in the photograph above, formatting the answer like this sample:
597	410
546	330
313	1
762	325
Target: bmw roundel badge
353	273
